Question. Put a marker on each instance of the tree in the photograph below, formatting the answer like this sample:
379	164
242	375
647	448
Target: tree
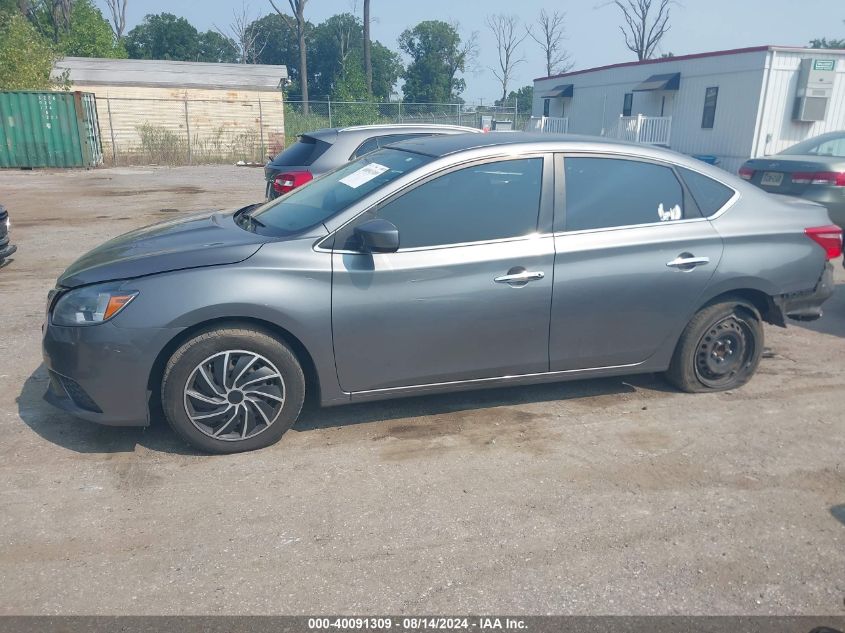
550	36
279	46
163	36
26	57
437	55
88	34
330	45
216	47
646	22
368	49
522	99
509	37
249	41
117	10
387	69
300	25
827	43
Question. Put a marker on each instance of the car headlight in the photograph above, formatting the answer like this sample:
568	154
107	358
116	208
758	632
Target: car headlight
91	305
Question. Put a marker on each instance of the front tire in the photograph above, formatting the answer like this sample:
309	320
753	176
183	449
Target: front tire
720	349
232	389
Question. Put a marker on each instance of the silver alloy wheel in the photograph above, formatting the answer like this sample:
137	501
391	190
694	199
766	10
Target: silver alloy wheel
234	395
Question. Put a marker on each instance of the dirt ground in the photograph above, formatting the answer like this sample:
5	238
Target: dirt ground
596	497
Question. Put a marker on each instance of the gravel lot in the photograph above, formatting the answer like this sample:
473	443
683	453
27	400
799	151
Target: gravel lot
595	497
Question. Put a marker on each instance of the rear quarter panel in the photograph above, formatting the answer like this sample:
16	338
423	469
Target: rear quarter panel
765	245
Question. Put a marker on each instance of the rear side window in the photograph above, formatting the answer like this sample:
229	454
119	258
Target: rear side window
302	153
709	194
609	192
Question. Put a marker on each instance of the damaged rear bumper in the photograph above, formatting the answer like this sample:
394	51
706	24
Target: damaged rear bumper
807	305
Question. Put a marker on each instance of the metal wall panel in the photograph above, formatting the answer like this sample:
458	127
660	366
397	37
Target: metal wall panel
47	129
598	98
777	129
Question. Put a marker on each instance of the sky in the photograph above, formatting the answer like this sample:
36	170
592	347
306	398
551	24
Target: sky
593	32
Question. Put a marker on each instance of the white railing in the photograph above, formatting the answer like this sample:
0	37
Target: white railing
549	124
652	130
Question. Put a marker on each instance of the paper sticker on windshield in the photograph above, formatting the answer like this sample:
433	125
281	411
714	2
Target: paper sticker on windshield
363	175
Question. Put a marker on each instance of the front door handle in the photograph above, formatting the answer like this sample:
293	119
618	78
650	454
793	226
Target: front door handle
685	261
522	277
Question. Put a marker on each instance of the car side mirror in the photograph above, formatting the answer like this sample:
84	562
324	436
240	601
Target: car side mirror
378	236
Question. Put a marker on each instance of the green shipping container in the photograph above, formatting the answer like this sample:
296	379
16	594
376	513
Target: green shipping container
49	129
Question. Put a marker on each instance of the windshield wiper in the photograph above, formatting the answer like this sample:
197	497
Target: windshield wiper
253	220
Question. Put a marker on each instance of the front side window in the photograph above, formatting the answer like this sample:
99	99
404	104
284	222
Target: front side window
547	104
708	118
326	196
610	192
492	201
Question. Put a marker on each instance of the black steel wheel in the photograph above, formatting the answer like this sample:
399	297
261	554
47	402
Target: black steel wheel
720	348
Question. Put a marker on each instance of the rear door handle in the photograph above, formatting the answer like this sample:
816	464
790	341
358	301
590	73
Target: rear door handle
687	262
520	278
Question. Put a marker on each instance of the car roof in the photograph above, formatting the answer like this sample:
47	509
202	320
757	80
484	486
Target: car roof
367	131
441	146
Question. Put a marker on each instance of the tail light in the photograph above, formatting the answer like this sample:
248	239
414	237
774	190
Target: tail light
746	173
290	180
833	178
828	237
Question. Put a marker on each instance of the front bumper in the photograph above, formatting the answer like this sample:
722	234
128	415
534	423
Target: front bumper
101	373
807	306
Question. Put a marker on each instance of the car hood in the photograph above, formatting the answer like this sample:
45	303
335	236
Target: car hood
203	239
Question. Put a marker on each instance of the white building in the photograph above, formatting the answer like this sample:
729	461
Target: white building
733	104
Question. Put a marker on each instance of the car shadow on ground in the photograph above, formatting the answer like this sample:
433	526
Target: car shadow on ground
80	436
833	317
838	513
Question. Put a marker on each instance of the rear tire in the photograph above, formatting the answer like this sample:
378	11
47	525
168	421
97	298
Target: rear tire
720	349
232	389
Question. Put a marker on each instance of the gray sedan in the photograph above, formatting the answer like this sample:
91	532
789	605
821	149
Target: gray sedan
813	169
434	265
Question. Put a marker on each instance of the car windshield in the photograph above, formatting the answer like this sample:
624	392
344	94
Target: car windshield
833	146
323	197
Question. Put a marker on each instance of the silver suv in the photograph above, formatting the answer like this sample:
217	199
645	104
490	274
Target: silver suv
318	152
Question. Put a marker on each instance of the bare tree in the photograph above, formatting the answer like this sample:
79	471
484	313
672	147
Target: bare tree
550	36
60	15
368	49
117	9
646	22
509	37
297	8
248	40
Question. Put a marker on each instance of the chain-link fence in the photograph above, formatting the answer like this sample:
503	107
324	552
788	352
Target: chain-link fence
188	130
301	117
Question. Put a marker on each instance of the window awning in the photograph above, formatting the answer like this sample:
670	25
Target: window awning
672	81
563	90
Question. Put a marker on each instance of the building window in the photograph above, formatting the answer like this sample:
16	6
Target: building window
709	116
628	104
546	105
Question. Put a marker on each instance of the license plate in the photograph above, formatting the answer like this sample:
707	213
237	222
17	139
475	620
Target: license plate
771	179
